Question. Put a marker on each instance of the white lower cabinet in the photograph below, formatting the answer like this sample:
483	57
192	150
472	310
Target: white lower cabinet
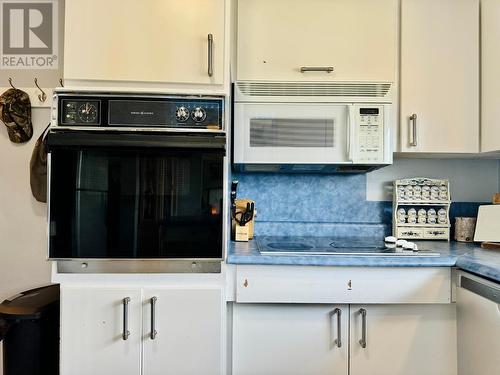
92	327
300	339
284	339
109	331
188	325
403	339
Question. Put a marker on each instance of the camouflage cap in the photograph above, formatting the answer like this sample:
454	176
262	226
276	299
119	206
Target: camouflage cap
15	112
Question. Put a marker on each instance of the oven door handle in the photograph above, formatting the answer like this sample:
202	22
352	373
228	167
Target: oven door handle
135	140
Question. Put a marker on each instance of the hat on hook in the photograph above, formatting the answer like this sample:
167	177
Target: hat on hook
15	112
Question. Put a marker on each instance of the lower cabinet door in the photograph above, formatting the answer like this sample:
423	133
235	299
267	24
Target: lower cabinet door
403	339
183	331
290	339
100	331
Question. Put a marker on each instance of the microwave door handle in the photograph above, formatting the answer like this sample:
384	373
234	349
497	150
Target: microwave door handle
350	136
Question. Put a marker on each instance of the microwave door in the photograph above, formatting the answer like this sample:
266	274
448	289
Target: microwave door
292	134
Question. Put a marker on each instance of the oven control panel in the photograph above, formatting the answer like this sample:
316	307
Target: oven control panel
142	111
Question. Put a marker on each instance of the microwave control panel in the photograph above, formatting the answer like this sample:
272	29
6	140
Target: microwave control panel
369	129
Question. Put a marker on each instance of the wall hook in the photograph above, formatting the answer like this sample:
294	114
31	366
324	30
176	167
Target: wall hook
61	82
10	83
42	97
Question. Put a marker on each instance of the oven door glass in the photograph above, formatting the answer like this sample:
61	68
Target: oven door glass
135	203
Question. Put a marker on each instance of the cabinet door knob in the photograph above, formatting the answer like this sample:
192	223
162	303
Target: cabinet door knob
126	332
362	342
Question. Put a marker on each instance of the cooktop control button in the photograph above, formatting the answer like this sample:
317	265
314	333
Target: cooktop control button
199	114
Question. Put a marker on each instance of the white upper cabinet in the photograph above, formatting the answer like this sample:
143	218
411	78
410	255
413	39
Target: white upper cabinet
357	38
490	111
440	76
168	41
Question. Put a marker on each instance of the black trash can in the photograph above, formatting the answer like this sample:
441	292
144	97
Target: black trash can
29	328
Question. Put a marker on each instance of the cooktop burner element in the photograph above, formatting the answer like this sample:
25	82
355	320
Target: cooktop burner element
321	246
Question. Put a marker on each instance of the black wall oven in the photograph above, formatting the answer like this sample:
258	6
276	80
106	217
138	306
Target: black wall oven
136	178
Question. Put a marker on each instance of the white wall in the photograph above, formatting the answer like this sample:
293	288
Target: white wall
470	180
23	237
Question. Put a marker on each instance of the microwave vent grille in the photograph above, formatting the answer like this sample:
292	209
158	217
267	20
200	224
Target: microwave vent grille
350	89
292	133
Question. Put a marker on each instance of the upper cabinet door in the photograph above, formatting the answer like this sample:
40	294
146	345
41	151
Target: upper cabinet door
440	76
183	331
357	38
490	111
154	41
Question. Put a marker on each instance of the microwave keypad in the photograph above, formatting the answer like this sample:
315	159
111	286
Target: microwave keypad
370	135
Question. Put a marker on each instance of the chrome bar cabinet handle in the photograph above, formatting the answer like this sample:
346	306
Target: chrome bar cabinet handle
327	69
126	332
362	342
413	120
210	55
338	340
153	317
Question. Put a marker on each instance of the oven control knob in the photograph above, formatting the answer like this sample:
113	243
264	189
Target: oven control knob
182	114
199	114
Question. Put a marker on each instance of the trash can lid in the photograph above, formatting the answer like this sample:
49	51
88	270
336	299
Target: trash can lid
29	304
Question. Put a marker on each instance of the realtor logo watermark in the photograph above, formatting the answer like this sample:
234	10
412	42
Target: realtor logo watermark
29	37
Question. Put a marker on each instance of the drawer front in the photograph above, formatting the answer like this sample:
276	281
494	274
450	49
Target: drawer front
437	233
299	284
409	233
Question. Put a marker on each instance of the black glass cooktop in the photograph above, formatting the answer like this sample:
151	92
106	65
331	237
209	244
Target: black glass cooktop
350	246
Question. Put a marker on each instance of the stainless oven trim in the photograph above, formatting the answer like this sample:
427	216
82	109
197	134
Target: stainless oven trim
120	94
138	129
92	266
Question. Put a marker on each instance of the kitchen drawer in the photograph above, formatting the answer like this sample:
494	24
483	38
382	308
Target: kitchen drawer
408	233
423	233
437	233
302	284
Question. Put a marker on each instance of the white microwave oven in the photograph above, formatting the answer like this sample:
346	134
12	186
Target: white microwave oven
308	136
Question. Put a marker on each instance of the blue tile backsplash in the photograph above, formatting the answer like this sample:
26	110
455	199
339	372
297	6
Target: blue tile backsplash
320	205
